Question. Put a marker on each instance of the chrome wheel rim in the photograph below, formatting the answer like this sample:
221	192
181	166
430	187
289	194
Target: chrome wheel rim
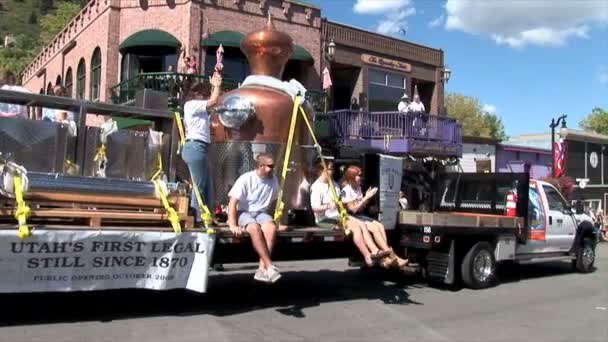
588	256
482	266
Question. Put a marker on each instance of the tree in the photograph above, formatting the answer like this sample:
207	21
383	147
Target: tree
497	129
475	122
54	22
46	6
33	18
16	58
596	121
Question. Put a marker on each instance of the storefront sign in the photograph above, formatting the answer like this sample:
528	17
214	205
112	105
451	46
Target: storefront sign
386	63
391	172
52	261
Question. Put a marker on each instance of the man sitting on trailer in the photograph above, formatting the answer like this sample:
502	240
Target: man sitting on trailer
251	197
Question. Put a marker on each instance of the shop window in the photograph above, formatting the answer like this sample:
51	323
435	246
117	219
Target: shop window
95	74
68	82
58	80
81	79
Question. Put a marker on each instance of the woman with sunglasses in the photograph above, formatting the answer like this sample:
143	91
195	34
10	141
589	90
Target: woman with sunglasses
328	216
356	202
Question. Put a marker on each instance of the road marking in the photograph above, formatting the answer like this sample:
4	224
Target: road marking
600	308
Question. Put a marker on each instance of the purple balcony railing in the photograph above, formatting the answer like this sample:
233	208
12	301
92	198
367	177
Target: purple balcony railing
420	134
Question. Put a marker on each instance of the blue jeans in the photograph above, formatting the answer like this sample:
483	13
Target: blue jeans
194	154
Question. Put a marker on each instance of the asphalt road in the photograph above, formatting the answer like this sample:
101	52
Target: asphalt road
327	301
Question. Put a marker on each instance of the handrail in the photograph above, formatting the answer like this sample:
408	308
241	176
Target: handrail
175	84
349	124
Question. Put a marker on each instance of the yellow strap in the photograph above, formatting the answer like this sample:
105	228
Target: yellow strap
278	212
334	193
180	128
101	153
159	166
205	212
171	213
23	211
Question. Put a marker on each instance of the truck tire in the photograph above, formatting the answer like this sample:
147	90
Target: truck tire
585	257
478	268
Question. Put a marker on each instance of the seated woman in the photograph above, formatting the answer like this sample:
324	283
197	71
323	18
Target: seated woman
356	202
328	216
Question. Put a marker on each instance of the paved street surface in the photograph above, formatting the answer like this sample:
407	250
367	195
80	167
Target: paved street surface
327	301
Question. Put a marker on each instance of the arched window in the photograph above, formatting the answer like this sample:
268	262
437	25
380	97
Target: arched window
58	80
81	75
95	74
68	83
49	89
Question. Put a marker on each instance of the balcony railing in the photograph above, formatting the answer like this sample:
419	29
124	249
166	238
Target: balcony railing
398	132
176	84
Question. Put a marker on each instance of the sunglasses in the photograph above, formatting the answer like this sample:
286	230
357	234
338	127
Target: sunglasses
270	166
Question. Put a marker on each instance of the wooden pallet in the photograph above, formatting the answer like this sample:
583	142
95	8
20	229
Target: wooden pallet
99	218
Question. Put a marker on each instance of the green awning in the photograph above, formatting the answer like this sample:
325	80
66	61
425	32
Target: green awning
300	54
226	38
124	123
233	39
150	38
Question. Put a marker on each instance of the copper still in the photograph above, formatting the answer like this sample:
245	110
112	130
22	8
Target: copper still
255	118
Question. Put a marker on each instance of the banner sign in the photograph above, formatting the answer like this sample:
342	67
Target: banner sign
560	154
391	172
70	260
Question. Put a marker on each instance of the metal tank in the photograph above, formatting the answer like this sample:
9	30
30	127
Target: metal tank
255	118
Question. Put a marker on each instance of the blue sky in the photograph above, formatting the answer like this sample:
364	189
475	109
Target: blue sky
527	60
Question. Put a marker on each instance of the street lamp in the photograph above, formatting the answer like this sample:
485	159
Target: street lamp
447	73
330	53
553	125
331	50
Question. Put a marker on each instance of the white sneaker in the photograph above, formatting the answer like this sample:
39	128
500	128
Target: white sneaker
261	275
273	274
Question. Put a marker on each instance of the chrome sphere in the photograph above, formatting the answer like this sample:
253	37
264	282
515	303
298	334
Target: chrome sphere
234	111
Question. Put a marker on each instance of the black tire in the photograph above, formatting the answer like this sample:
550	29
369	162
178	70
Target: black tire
478	268
585	256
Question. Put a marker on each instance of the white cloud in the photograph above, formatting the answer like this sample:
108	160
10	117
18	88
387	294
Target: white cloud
394	13
532	22
395	22
437	21
489	109
379	6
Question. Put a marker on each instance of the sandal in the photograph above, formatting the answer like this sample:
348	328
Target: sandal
369	261
380	254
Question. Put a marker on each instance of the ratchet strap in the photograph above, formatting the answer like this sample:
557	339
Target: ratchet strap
23	211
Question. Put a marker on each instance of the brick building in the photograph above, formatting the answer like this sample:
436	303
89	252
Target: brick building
111	42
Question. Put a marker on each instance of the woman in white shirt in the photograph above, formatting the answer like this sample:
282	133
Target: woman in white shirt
197	123
356	202
328	216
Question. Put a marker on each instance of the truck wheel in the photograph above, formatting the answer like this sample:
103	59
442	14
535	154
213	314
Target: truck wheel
585	256
478	267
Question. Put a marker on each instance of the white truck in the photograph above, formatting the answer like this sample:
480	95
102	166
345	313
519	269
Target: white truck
479	220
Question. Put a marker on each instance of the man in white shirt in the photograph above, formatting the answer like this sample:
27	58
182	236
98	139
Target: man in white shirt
403	106
197	123
251	198
417	106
